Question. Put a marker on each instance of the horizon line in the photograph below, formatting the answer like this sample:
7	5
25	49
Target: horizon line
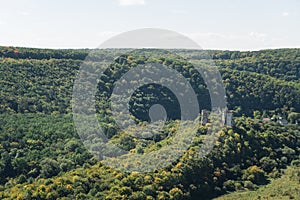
206	49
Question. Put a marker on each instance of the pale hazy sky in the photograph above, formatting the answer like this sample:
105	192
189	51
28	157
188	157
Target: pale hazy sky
214	24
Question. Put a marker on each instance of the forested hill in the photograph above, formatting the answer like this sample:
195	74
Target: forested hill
42	156
41	80
278	63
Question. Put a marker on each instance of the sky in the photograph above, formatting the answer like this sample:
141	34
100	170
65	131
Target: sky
213	24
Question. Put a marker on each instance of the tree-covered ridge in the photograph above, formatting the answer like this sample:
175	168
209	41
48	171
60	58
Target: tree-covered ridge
279	63
42	157
30	85
282	64
244	157
40	54
45	85
27	140
248	91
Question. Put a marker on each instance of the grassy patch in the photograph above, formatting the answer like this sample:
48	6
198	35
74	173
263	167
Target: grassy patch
286	187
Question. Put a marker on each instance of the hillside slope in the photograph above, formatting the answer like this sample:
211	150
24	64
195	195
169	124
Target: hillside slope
285	187
42	156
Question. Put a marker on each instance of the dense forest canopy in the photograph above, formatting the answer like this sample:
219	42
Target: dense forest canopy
42	157
43	81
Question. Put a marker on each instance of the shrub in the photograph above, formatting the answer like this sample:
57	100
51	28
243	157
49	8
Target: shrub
249	185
